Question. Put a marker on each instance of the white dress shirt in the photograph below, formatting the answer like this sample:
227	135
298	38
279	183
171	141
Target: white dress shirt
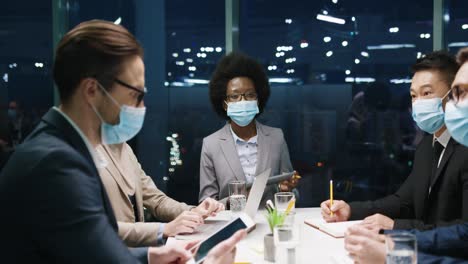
443	140
247	152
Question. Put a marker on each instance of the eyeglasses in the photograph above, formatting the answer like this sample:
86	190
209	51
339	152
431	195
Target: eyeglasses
458	94
237	97
141	93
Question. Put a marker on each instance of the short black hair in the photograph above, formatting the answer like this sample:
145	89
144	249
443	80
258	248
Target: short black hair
237	64
440	61
95	49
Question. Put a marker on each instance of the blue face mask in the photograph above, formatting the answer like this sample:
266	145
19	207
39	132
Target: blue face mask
456	120
243	112
429	114
131	121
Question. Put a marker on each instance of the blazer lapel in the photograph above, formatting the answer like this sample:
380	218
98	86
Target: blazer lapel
445	158
423	170
116	171
264	145
230	153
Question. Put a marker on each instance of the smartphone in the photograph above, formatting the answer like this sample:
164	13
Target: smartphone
201	249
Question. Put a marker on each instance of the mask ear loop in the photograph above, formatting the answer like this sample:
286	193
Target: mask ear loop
110	96
112	99
448	92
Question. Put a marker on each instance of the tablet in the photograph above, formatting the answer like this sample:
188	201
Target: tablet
277	178
202	248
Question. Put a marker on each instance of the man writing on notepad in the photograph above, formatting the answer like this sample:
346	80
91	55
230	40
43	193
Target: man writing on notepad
439	245
436	191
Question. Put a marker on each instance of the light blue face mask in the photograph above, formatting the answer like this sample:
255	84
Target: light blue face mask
131	121
429	114
456	120
243	112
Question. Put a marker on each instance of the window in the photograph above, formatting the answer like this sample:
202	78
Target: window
194	43
340	78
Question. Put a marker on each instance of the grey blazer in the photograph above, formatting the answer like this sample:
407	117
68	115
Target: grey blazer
220	164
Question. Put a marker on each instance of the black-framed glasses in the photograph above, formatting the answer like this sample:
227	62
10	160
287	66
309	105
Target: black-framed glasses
141	93
250	96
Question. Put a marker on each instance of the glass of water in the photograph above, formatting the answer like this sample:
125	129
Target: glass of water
289	218
282	200
401	248
286	238
237	197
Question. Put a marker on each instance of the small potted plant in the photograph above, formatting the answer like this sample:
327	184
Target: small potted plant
274	218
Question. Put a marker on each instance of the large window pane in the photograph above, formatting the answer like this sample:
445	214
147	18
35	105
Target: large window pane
457	29
194	44
25	68
340	87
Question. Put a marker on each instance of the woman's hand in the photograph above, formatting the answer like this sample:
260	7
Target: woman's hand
288	185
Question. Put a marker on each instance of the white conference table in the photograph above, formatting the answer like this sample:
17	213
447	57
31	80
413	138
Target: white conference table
314	247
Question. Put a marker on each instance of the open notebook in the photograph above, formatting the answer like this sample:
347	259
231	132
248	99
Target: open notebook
336	230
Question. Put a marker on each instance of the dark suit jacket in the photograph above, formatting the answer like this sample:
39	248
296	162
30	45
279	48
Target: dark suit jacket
412	206
435	259
448	241
54	207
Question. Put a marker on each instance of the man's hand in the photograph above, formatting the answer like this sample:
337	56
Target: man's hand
168	254
186	222
225	252
209	207
341	211
365	246
377	222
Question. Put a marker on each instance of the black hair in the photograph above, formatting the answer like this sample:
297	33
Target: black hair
440	61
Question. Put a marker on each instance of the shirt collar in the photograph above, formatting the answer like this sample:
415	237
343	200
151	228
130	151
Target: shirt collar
78	130
442	139
252	140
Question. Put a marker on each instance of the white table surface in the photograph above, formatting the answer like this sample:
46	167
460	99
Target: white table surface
314	247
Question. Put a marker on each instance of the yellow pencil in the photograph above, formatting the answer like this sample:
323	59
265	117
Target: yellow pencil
290	205
331	197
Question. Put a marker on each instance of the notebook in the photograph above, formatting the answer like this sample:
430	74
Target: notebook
336	230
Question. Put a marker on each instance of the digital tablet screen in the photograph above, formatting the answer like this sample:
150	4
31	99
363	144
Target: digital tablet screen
220	236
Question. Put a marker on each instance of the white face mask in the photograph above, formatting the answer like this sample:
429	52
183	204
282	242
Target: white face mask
456	120
243	112
131	121
429	114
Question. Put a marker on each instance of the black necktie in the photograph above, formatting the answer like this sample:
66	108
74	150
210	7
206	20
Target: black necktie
435	161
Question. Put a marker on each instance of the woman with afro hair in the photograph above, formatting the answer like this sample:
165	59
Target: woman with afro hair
243	148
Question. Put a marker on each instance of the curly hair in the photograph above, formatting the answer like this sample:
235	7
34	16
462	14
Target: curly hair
233	65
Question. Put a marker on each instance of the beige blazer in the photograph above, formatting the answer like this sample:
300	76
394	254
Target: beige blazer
121	173
220	164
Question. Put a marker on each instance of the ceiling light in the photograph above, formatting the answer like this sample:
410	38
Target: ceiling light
331	19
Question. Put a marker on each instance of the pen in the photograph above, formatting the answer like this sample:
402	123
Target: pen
331	197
